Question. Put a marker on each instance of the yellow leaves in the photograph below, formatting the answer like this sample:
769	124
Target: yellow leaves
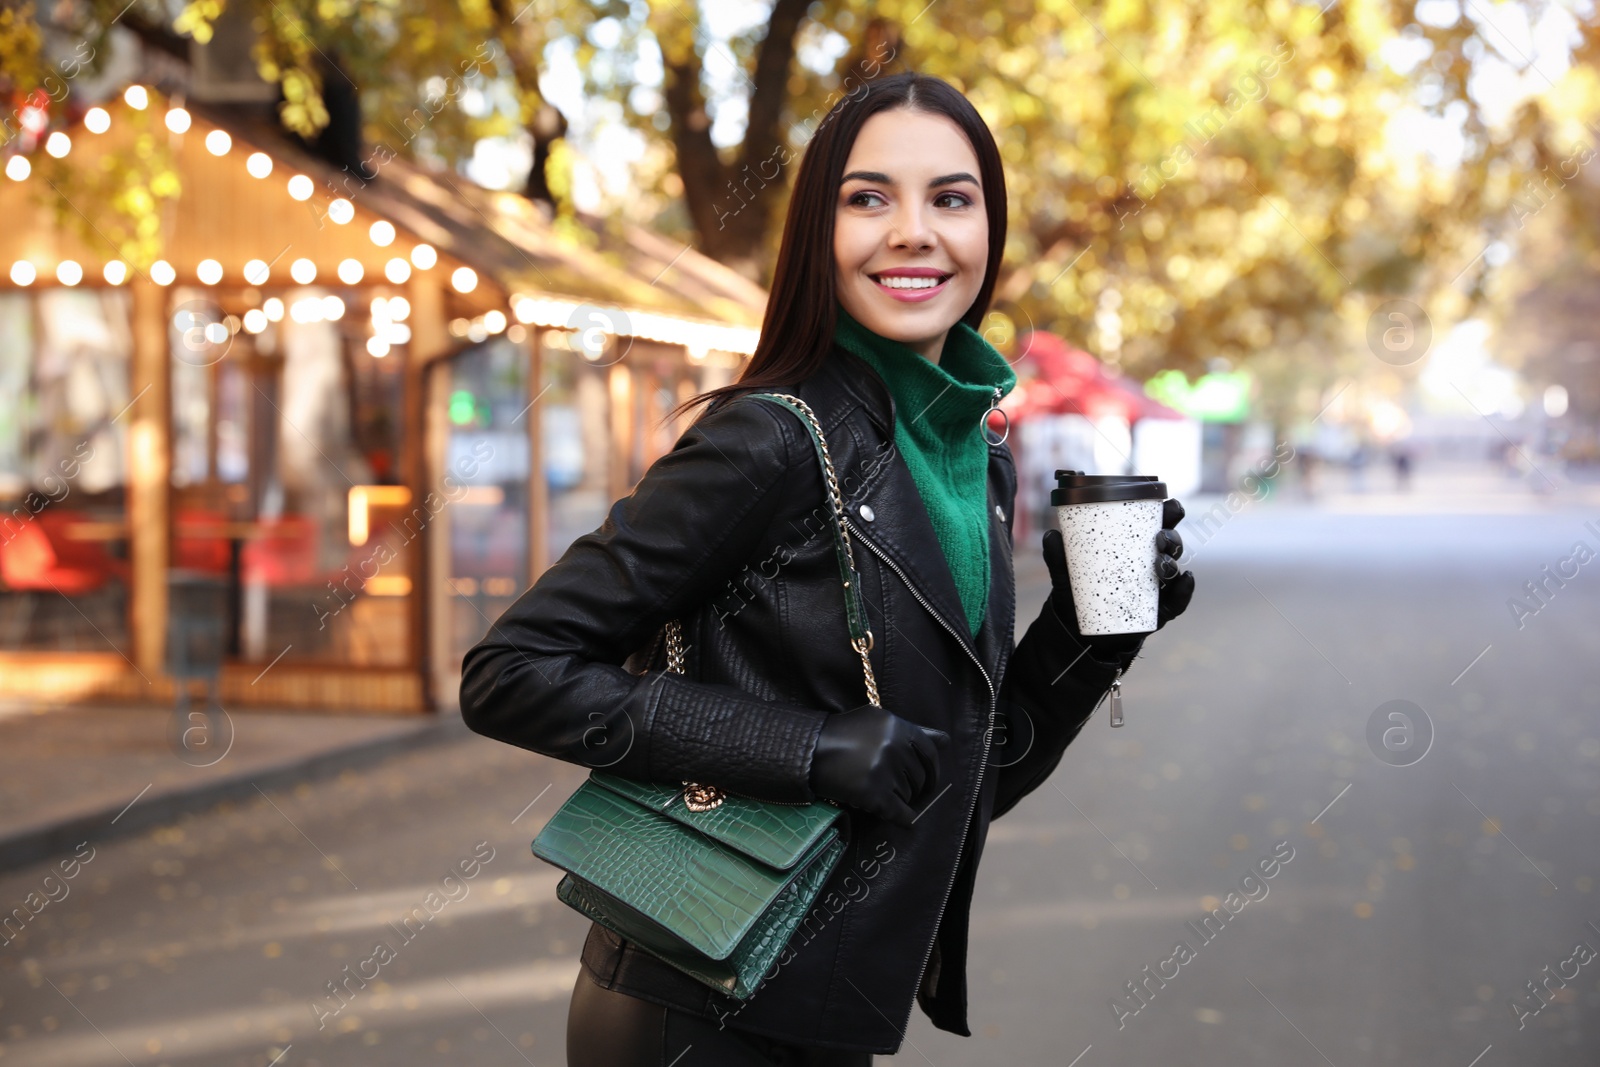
166	185
196	18
1285	125
20	43
303	110
297	85
558	171
1324	105
136	201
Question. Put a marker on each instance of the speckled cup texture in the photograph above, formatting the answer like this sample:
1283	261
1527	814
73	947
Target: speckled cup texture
1111	558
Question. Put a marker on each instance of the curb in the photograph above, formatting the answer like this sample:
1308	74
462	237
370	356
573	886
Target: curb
42	842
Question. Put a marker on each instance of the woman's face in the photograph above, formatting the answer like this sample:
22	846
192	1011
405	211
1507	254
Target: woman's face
911	234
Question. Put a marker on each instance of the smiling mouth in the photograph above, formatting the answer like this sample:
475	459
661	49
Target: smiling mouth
909	282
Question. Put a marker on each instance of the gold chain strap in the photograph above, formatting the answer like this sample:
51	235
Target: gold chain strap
699	797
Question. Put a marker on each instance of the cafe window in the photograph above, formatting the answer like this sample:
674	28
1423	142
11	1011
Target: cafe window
603	422
285	474
575	410
485	485
64	374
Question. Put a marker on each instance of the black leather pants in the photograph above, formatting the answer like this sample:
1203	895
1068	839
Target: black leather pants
610	1029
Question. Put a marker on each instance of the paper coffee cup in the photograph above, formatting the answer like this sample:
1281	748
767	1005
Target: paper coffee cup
1109	524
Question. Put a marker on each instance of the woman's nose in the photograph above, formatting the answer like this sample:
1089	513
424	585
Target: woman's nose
910	228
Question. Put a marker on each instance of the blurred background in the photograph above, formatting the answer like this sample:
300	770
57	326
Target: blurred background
326	326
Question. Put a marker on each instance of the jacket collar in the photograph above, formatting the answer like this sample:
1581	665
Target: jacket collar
901	529
862	384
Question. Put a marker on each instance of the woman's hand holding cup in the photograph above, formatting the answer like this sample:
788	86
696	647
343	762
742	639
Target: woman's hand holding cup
1176	588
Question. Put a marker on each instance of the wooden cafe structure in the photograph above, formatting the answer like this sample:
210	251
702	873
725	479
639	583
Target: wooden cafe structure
371	413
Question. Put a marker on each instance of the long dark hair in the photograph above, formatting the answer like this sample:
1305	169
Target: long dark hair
797	330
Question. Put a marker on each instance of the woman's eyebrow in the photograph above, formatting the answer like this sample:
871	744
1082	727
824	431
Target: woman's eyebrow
883	179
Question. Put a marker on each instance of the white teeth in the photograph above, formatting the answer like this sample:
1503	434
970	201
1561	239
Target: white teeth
902	282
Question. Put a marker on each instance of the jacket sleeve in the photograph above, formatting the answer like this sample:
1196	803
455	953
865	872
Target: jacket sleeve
1052	686
549	675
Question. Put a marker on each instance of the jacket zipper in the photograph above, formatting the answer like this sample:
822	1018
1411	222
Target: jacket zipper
977	792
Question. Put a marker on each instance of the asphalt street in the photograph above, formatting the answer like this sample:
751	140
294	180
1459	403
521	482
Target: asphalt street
1352	880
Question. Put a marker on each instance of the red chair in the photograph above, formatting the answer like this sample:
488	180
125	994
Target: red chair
285	556
196	550
41	555
39	558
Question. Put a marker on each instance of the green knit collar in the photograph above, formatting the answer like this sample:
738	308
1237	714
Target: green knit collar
949	396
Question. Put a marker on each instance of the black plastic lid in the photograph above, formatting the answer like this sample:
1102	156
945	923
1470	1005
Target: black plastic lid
1080	478
1076	487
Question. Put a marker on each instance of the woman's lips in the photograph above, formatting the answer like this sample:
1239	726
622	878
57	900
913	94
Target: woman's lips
912	296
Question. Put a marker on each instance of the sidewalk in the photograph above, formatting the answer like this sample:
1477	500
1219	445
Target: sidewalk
67	774
1458	488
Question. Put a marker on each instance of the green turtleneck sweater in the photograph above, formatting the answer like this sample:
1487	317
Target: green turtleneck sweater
938	418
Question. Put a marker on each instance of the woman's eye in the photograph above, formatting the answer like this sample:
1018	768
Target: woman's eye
951	200
861	200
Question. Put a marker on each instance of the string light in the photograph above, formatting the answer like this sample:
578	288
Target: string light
464	279
332	308
494	321
301	187
303	271
341	211
256	272
116	272
161	272
178	120
273	309
18	168
397	270
68	272
668	329
398	308
218	142
58	144
382	233
97	120
259	164
22	272
350	271
136	97
377	347
424	257
255	320
209	271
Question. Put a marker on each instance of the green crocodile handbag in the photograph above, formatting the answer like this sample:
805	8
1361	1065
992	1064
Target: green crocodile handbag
708	881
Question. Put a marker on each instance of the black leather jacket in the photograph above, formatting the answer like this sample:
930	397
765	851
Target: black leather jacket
728	532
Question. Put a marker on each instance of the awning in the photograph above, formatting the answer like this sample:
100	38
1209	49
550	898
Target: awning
1057	378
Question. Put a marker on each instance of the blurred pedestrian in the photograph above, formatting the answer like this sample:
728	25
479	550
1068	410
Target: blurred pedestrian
1400	455
1358	467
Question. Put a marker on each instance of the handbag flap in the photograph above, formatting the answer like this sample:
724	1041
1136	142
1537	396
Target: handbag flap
708	895
777	835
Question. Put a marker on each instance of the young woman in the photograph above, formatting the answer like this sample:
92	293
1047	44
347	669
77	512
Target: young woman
889	257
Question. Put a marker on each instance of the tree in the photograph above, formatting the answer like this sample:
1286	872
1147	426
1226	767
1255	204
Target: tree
1186	182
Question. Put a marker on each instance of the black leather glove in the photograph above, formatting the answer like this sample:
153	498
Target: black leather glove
1176	588
872	759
